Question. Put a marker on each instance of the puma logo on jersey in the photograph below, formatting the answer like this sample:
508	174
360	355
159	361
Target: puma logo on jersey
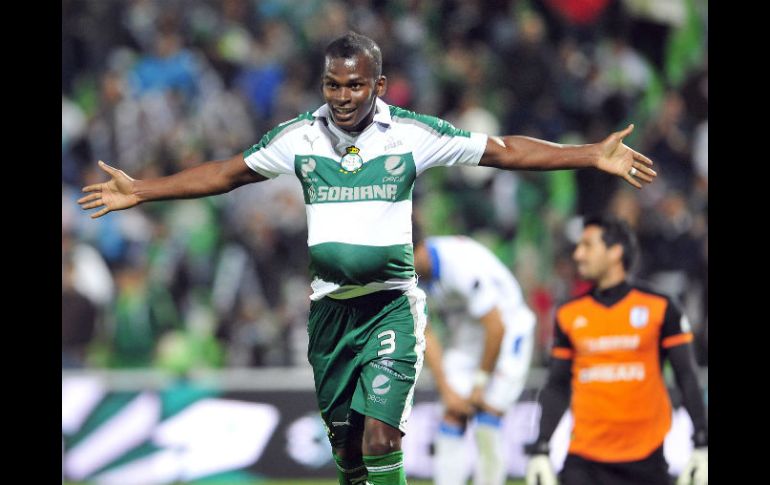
580	322
307	139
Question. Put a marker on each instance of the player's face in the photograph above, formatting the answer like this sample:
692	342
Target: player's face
592	255
350	88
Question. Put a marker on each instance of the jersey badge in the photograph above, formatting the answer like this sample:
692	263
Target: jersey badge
639	317
351	162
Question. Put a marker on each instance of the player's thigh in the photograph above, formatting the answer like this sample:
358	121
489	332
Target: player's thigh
335	365
579	471
392	359
652	470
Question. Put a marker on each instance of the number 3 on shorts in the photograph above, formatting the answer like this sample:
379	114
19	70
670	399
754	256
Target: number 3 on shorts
389	342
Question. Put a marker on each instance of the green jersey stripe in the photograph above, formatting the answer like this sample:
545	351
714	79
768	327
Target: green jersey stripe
353	264
279	131
430	123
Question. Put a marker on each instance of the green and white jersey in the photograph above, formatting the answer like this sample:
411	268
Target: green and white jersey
358	190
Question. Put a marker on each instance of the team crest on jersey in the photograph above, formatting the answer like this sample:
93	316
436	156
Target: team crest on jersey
351	162
640	315
580	322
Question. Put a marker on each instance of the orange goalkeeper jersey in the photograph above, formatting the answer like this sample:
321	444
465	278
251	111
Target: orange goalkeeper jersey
616	339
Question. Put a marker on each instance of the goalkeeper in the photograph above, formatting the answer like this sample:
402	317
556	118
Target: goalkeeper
607	358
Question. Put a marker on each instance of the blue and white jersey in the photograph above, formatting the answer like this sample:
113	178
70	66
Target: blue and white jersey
468	281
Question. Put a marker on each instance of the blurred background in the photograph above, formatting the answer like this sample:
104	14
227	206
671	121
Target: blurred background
157	298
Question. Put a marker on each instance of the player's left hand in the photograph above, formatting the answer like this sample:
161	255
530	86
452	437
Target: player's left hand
456	404
618	159
477	397
697	470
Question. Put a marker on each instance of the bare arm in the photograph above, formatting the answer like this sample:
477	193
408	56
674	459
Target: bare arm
454	403
494	329
493	332
610	155
210	178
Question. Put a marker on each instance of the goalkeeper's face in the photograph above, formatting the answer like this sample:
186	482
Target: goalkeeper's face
594	259
350	87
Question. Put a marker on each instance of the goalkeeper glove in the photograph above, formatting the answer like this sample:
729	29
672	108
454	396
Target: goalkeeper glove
539	469
697	470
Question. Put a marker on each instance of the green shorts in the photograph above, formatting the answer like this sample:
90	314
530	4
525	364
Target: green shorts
366	354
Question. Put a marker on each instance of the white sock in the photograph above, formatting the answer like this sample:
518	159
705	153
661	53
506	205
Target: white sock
490	466
449	461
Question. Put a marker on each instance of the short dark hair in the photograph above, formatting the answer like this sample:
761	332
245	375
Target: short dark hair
616	231
353	44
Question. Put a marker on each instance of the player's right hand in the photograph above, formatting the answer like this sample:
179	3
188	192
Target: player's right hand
456	404
115	194
540	471
697	470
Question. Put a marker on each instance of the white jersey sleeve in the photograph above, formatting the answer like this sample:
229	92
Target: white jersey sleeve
437	143
274	154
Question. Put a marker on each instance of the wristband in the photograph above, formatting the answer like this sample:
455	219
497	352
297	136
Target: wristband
481	378
539	447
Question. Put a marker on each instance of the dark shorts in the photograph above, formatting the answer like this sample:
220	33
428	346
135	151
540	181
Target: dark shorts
366	354
652	470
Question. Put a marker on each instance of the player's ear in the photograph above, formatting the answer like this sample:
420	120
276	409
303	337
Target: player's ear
616	253
381	85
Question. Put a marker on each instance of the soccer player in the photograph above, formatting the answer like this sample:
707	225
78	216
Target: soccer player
357	159
607	363
483	369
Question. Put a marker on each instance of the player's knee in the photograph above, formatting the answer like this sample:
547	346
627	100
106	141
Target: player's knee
348	453
381	445
380	438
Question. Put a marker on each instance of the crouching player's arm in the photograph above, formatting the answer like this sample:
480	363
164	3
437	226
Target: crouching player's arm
454	404
493	336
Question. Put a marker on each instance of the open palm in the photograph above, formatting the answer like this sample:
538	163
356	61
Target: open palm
618	159
115	194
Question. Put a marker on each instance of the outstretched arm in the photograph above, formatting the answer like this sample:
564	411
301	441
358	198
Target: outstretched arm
210	178
610	155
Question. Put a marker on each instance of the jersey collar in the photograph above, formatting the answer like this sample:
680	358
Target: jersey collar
610	296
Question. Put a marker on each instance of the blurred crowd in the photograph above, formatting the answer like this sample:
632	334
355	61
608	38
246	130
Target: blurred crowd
152	87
